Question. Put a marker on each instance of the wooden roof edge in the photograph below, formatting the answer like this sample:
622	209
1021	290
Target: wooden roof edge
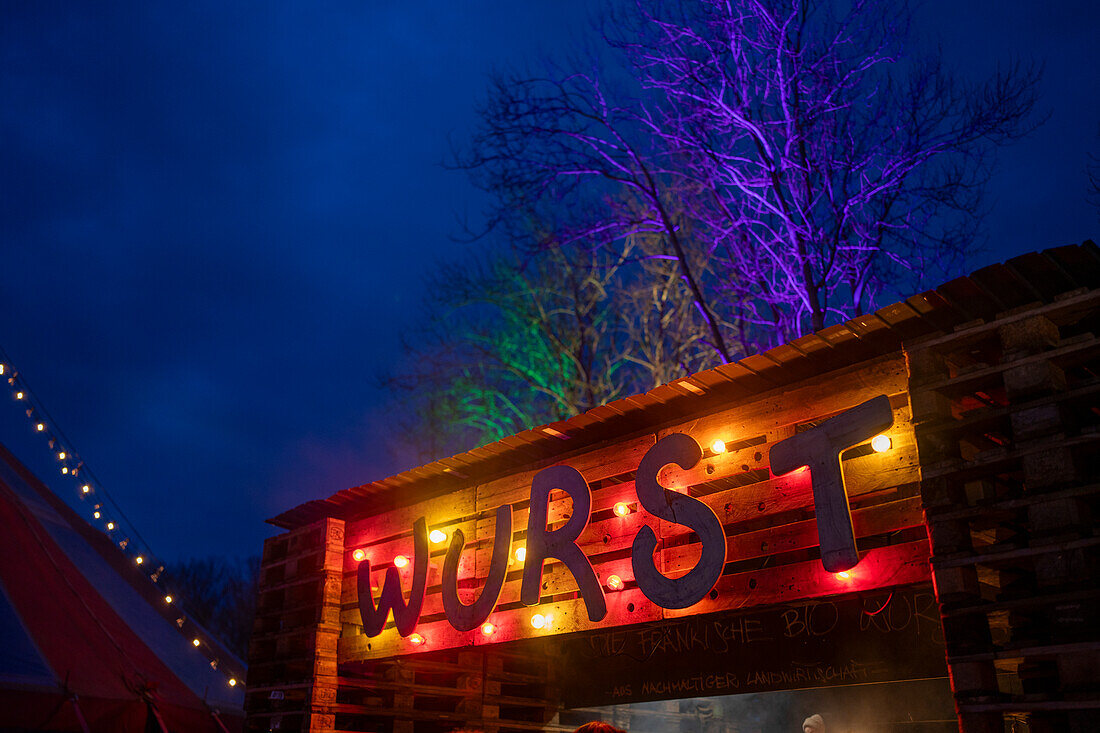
926	313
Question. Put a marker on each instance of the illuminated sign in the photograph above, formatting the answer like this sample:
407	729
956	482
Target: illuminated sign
817	449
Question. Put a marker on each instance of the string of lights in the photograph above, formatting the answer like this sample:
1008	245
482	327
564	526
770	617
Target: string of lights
106	514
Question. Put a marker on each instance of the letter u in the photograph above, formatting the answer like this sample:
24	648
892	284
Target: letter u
468	618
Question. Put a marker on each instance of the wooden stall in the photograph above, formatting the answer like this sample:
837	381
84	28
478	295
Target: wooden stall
983	484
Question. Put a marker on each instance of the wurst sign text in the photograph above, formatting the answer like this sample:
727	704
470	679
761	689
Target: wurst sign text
818	449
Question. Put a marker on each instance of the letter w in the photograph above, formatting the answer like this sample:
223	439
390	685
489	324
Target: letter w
405	616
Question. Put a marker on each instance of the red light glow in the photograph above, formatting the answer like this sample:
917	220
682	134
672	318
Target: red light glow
416	639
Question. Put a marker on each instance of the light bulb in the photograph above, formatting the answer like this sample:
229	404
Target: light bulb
487	629
614	582
85	488
195	642
40	427
880	443
139	559
168	599
232	682
65	469
437	536
416	639
95	514
844	575
538	621
61	455
358	555
521	553
400	561
18	395
622	509
110	525
718	446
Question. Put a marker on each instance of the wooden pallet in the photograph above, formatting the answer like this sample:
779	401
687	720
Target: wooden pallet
292	658
1007	415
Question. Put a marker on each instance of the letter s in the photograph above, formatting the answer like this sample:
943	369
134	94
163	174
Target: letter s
682	509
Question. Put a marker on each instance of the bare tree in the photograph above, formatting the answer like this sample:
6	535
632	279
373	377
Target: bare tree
221	594
817	166
525	338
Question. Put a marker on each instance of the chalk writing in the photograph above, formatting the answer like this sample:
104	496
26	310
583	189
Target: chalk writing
844	641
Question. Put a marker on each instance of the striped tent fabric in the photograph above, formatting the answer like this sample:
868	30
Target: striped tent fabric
84	645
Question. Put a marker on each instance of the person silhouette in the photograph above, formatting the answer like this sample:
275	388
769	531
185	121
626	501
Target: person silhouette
813	724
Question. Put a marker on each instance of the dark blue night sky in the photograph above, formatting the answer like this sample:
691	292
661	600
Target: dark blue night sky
217	218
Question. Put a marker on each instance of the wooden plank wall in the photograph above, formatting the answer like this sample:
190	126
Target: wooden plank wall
292	656
1008	423
771	557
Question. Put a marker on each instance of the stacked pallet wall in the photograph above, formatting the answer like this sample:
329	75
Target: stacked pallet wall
1008	427
292	679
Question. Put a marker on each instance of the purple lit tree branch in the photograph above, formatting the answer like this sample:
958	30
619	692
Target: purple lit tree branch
788	157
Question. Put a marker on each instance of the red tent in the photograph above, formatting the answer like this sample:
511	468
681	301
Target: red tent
84	643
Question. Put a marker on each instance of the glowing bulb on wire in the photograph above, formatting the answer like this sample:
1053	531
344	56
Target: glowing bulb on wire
232	682
622	509
400	561
718	446
85	488
61	455
437	536
110	525
168	599
358	555
487	629
139	559
40	427
614	582
880	443
195	642
18	395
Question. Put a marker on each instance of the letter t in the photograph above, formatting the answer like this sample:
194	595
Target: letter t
820	448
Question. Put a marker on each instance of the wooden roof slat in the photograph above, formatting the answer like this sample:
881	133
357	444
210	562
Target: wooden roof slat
867	325
837	335
810	344
1044	274
1082	263
1011	290
969	299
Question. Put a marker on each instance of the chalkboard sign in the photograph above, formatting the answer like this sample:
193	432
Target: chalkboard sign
878	637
